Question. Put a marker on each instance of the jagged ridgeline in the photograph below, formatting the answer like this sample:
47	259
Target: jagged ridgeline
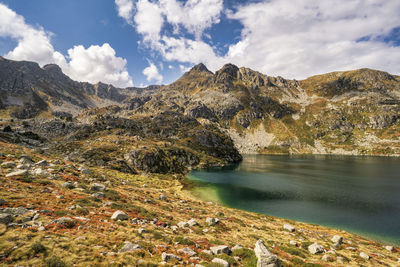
201	119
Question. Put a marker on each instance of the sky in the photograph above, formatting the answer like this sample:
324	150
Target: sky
143	42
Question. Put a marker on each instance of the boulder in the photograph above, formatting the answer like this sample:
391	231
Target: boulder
388	248
97	187
264	257
364	256
162	197
6	218
315	248
40	172
237	247
42	163
327	258
192	222
68	185
337	239
128	247
119	216
212	221
222	262
8	165
221	249
63	220
167	256
142	231
182	224
188	251
289	227
98	195
17	173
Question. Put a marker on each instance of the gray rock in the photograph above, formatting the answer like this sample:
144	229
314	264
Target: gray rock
98	195
40	172
188	251
85	171
68	185
182	224
6	218
289	227
192	222
42	163
15	211
237	247
337	239
293	243
128	247
63	220
221	262
167	256
97	187
120	216
388	248
364	256
162	197
25	159
212	221
327	258
206	251
315	248
142	231
8	165
17	173
221	249
264	257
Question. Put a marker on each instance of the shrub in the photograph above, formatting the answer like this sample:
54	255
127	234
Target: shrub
55	262
37	248
184	241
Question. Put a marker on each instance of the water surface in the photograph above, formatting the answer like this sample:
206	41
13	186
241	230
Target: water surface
357	194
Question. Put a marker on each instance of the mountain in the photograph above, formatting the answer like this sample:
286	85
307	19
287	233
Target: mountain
350	112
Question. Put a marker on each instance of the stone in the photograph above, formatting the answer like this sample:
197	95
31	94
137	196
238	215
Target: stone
142	231
128	247
174	228
289	227
40	172
41	228
237	247
42	163
68	185
25	159
206	251
63	220
264	257
388	248
192	222
17	173
211	221
188	251
162	197
364	255
6	218
183	224
167	256
221	249
293	243
98	195
85	171
222	262
97	187
119	216
8	164
327	258
315	248
337	239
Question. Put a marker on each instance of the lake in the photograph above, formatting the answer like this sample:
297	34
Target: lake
357	194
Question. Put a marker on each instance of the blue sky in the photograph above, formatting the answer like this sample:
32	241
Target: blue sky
142	42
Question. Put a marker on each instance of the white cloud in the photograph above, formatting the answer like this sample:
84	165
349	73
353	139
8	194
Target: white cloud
125	9
97	63
149	20
152	73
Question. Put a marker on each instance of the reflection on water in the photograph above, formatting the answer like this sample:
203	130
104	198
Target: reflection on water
359	194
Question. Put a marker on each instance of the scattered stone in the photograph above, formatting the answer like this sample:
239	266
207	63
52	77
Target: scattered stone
128	247
337	239
293	243
41	228
148	201
63	220
97	187
8	164
351	248
167	256
68	185
183	224
315	248
220	249
221	262
42	163
388	248
340	260
98	195
6	218
237	247
192	222
40	172
24	166
206	251
25	159
85	171
289	227
327	258
212	221
264	257
174	228
119	216
142	231
17	173
162	197
187	251
364	256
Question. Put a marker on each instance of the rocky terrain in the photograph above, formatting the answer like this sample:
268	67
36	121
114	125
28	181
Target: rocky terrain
93	175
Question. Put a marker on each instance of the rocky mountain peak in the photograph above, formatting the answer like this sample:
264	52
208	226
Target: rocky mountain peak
54	68
200	68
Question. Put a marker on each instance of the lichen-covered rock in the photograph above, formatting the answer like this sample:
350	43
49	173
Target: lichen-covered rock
188	251
129	247
216	250
221	262
167	256
264	257
289	227
119	216
211	221
315	248
97	187
6	218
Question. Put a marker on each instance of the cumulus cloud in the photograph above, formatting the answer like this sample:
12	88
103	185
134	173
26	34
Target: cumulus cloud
152	74
125	9
148	20
97	63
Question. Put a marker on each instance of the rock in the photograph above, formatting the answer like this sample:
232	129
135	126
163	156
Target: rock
63	220
97	187
174	228
337	239
264	257
142	231
221	262
25	159
220	249
289	227
85	171
364	256
41	228
327	258
119	216
192	222
24	166
98	195
6	218
183	224
8	164
206	251
42	163
167	256
17	173
162	197
2	201
40	172
293	243
212	221
237	247
315	248
128	247
388	248
187	251
68	185
15	211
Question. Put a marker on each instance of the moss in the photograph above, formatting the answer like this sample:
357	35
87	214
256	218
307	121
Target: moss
184	241
55	261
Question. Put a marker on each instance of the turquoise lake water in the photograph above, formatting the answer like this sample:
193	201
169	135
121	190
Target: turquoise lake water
357	194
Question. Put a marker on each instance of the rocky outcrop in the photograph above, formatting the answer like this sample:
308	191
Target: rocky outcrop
264	257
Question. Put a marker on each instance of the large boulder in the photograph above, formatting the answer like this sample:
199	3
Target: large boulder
120	216
264	257
128	247
221	249
315	248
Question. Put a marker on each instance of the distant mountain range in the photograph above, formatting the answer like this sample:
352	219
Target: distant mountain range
350	112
